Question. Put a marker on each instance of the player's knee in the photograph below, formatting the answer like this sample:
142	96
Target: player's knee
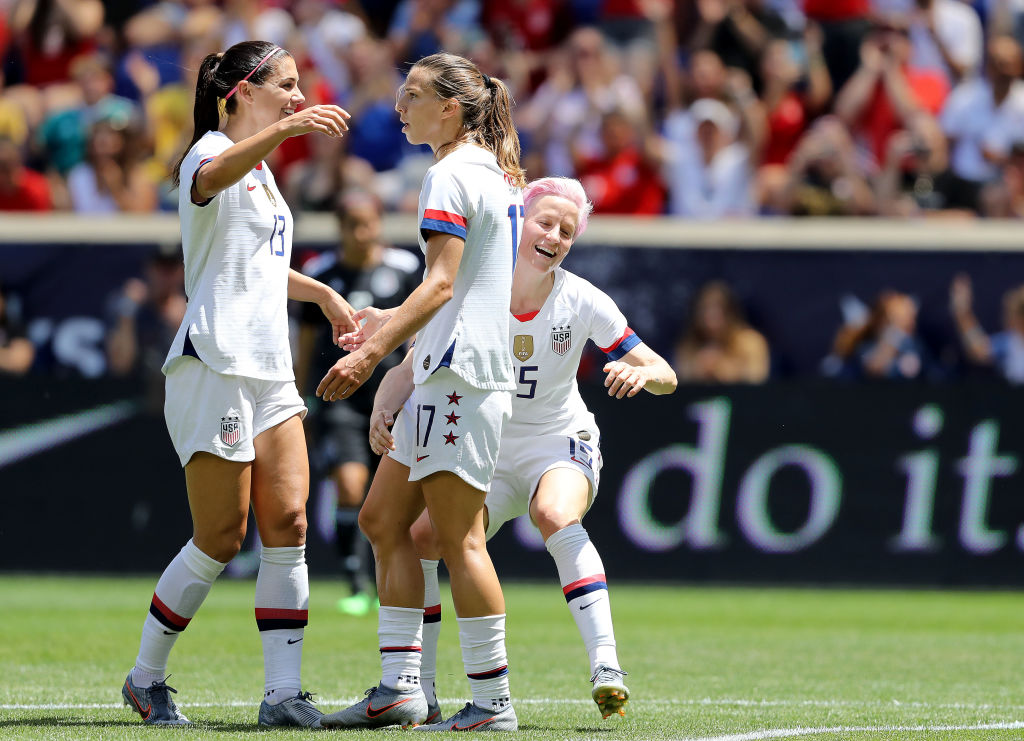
375	525
292	526
424	539
221	545
550	520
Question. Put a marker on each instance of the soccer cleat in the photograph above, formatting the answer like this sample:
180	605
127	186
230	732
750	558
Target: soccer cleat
472	718
433	713
296	711
357	604
382	707
154	703
610	693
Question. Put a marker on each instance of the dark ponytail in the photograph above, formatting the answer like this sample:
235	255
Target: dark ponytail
486	108
218	74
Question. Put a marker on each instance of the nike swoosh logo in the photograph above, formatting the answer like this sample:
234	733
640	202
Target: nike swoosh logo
372	712
35	437
421	457
138	705
291	642
590	604
169	632
250	187
457	727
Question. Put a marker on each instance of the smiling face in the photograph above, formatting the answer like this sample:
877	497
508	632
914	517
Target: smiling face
279	95
421	112
548	233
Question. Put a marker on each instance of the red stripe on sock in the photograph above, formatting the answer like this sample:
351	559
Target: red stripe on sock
172	617
432	610
267	613
583	582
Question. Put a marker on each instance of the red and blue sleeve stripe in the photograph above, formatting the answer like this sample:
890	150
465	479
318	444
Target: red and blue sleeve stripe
583	586
621	346
194	176
443	221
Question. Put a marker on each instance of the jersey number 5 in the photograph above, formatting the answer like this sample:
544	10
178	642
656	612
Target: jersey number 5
531	382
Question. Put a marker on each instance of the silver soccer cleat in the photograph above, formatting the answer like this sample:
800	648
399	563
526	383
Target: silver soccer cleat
382	707
296	712
610	693
472	718
153	703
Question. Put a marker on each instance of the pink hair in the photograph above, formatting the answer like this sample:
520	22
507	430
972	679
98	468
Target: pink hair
567	188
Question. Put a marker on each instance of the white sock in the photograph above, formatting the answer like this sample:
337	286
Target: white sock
282	611
581	573
400	637
431	628
483	654
180	591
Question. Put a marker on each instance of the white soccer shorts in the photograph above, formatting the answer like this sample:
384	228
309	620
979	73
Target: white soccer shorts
524	460
448	425
215	413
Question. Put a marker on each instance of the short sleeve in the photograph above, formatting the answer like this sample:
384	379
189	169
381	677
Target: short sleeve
608	327
444	204
204	150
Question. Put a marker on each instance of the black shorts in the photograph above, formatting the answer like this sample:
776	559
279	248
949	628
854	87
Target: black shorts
342	434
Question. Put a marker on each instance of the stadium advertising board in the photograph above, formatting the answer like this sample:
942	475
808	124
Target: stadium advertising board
825	483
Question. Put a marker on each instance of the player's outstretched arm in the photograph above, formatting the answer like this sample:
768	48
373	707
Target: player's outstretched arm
640	368
395	388
337	310
444	253
233	163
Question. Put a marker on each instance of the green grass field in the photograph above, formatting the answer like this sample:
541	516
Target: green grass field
722	664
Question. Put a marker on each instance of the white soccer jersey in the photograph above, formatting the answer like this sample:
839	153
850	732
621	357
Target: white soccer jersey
546	348
237	250
468	195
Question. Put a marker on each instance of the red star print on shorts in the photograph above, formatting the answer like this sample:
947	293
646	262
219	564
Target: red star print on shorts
453	419
453	398
450	438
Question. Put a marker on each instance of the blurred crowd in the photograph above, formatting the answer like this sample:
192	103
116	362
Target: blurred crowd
705	109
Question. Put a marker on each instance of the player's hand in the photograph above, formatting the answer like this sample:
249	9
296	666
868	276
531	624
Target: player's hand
364	330
327	119
345	377
341	315
623	379
381	439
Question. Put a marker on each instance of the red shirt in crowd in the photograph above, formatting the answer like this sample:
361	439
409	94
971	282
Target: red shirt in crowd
31	192
623	184
836	10
879	121
786	124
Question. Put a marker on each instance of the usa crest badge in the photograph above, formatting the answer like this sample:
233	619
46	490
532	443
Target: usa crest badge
230	431
561	340
522	346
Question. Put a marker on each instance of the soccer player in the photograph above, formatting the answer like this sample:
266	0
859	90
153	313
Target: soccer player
232	409
470	213
550	458
366	273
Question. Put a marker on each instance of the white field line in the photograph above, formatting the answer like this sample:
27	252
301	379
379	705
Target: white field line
797	732
678	702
